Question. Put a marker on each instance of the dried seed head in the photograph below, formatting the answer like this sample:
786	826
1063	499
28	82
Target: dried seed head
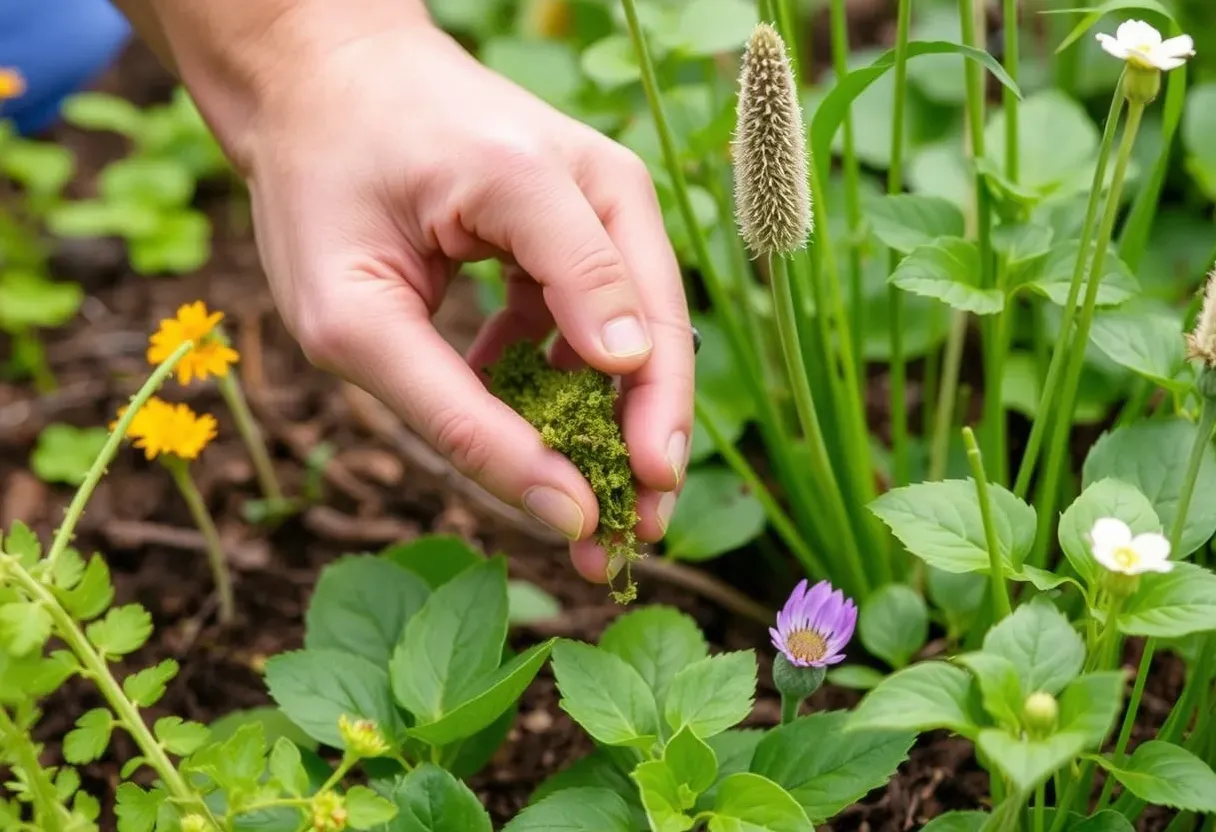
1201	343
772	202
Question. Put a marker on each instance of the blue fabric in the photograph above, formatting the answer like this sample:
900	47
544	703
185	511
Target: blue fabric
58	46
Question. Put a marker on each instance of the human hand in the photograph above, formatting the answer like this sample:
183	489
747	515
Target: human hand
393	157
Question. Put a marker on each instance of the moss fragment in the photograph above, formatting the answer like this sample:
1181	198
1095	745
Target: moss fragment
575	415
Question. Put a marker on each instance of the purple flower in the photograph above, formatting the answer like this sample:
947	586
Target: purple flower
815	625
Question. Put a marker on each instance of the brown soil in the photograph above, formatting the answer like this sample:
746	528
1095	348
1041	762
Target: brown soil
381	487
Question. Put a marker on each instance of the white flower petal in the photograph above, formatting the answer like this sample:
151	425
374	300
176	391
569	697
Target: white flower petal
1159	566
1112	46
1106	557
1137	33
1165	64
1177	47
1152	549
1109	533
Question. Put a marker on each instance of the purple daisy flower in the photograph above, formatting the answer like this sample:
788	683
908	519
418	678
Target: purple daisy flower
815	625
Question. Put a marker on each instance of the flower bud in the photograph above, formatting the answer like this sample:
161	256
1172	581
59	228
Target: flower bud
795	682
328	812
1120	585
196	823
1141	84
1041	712
361	737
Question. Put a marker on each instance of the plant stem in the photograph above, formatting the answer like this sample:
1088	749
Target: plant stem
1009	100
1057	446
1059	355
251	434
95	667
943	419
789	708
1040	801
63	537
180	470
1203	436
43	796
804	402
895	298
996	567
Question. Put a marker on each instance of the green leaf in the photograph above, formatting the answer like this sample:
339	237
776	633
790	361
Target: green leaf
605	695
1152	456
948	269
922	697
610	62
710	27
711	491
1105	498
436	558
452	642
490	697
1093	15
1028	762
529	604
430	799
101	111
575	810
92	594
907	221
958	595
662	797
287	767
691	761
237	763
88	740
42	168
825	768
748	802
136	809
597	771
658	642
1149	343
717	377
180	737
24	627
123	630
1170	605
23	544
1167	775
855	677
1021	243
1000	688
1057	144
28	299
65	453
546	68
957	822
1090	703
153	182
712	694
1041	643
366	809
940	523
894	624
316	687
179	243
274	724
1051	277
361	606
146	687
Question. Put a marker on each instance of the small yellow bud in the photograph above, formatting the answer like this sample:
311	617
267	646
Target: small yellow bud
1041	713
362	737
196	823
328	812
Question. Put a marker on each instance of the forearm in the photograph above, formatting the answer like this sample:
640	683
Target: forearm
235	54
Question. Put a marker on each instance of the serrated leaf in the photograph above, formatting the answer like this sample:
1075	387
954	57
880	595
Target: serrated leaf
605	695
1028	762
712	694
1090	703
146	687
287	767
661	797
237	763
64	453
68	570
658	642
1000	687
1053	276
92	595
180	737
575	810
123	630
1167	775
906	221
89	739
366	809
1171	605
1041	643
948	269
24	627
1145	341
922	697
894	624
430	799
1105	498
436	558
137	809
22	543
749	801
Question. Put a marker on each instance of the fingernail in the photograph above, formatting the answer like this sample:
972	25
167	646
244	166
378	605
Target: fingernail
667	507
696	340
677	452
625	337
555	510
614	566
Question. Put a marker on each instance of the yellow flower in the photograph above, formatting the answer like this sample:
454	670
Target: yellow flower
12	84
163	428
209	356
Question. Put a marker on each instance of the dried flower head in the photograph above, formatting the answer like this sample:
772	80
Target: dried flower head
772	200
1201	342
163	428
329	812
12	84
210	355
1115	547
814	625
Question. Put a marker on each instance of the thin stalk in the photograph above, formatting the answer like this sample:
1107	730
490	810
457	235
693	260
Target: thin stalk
996	568
42	793
787	18
789	708
804	402
947	393
63	537
180	470
251	435
1009	100
1057	447
1203	436
1040	803
895	298
1059	355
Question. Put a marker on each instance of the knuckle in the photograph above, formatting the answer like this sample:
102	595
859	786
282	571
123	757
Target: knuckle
460	438
324	338
503	159
634	171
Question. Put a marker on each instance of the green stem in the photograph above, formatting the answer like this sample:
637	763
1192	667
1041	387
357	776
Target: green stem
47	808
947	393
63	537
786	18
1059	355
180	470
805	405
895	298
1203	436
1009	99
996	568
1057	446
96	669
1040	803
789	708
251	434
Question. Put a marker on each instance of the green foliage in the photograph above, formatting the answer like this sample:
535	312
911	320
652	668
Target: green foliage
65	452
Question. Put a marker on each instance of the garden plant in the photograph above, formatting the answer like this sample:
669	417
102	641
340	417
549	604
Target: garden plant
956	386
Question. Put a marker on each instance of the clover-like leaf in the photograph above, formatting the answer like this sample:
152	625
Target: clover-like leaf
123	630
146	687
88	740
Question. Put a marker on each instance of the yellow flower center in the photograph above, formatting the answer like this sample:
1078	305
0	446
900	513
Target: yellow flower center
807	645
1125	557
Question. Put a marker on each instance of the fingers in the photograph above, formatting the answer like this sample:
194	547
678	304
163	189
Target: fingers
524	317
539	214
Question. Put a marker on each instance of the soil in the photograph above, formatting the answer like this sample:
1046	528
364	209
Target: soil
381	486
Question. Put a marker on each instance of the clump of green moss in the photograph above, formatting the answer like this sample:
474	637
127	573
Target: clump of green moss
575	415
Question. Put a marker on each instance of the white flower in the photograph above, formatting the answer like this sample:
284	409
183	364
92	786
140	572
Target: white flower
1116	549
1140	45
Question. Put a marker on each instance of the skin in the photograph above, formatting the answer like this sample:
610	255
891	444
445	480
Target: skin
379	156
